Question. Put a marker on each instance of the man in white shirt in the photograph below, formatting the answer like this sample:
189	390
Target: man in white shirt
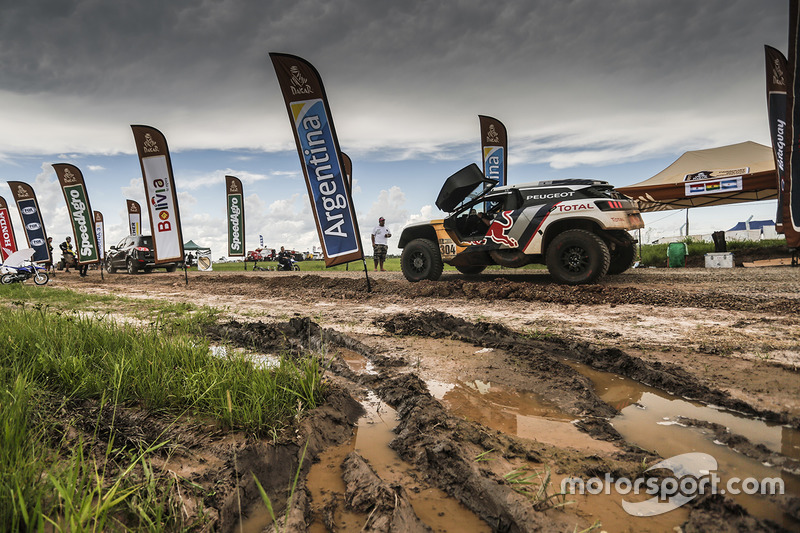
380	243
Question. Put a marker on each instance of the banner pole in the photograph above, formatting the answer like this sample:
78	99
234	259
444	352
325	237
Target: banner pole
366	274
186	273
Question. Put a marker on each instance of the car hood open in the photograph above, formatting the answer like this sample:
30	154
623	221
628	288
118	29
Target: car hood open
458	186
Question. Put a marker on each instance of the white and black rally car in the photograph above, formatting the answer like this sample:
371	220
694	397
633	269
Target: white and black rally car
578	228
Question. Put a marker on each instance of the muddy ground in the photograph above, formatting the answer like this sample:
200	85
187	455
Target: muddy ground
726	337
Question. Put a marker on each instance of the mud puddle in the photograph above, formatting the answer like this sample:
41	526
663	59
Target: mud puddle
375	430
668	426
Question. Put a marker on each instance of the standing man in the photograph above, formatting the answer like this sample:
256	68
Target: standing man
380	243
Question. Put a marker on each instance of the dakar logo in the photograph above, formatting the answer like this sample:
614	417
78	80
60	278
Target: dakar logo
149	146
133	208
234	187
492	136
697	176
777	74
299	82
497	231
22	192
69	177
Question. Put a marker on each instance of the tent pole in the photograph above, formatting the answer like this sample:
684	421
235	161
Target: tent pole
687	222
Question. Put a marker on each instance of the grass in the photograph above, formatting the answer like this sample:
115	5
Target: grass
60	486
656	254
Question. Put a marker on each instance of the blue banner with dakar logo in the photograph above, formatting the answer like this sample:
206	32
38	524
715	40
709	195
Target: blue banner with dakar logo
74	189
162	198
321	159
32	221
494	146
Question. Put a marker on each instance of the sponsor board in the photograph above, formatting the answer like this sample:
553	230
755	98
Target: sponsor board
714	186
82	219
34	230
163	212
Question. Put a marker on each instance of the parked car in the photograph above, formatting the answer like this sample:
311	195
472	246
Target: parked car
135	253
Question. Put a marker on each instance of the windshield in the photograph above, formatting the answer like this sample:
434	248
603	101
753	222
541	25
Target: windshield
146	241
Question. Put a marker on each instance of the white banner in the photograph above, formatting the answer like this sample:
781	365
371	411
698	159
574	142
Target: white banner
162	210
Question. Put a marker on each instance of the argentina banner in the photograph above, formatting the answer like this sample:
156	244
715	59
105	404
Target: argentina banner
320	157
235	201
8	243
134	217
162	198
80	212
32	221
494	148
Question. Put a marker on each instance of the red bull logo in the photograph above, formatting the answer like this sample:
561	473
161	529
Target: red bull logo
498	229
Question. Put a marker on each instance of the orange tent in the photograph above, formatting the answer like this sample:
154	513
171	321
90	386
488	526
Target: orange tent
743	172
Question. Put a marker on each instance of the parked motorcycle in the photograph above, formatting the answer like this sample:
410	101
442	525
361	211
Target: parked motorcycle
24	272
291	264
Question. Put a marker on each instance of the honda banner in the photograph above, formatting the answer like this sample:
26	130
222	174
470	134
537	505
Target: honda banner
776	112
80	212
8	244
320	158
100	231
134	217
791	219
235	216
162	198
494	149
32	221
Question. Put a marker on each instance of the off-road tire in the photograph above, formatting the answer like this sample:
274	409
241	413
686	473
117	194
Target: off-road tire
296	268
577	257
7	278
471	270
41	278
623	256
172	268
132	267
421	260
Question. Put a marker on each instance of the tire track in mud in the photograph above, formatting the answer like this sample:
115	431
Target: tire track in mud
443	448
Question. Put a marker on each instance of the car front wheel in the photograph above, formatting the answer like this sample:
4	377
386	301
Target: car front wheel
421	260
577	257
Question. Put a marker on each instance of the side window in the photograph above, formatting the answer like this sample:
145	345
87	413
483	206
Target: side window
122	243
512	201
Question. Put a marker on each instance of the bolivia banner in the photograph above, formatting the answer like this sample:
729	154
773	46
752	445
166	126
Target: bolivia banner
8	244
162	198
776	111
31	220
494	148
235	216
791	219
320	156
134	217
74	189
100	231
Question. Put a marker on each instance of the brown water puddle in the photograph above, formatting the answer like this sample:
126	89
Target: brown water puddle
373	434
649	418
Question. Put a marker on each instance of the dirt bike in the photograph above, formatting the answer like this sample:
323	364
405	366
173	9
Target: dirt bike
68	261
291	264
24	272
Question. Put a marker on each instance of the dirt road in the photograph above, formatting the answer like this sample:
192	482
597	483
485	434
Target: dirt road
725	337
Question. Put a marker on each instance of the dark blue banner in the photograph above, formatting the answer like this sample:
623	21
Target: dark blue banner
34	229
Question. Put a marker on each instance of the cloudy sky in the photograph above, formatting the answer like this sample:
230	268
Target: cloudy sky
613	90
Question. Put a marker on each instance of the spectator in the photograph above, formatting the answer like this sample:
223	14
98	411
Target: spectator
380	243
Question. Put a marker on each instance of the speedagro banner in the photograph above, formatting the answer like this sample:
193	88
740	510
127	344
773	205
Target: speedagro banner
235	200
494	149
8	244
320	157
74	189
134	217
32	221
162	198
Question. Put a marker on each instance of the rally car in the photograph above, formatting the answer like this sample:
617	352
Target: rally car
577	227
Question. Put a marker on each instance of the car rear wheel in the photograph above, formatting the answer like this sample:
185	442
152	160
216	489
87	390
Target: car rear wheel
421	260
623	255
577	257
471	270
133	268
